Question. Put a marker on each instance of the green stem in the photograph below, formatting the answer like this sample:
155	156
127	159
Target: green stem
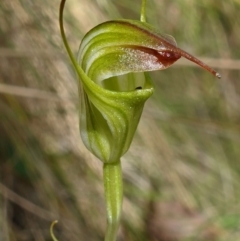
69	51
143	11
112	175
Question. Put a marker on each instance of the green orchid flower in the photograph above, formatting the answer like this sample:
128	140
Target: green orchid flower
112	62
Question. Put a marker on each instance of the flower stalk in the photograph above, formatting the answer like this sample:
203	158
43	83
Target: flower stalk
143	11
113	187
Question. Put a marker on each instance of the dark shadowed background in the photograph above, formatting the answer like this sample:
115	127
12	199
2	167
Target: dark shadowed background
182	172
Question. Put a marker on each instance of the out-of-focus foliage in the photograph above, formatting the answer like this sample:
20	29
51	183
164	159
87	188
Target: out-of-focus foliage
183	170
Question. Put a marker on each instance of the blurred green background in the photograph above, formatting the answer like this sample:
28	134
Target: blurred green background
182	172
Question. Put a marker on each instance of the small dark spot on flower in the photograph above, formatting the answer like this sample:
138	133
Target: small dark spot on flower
138	88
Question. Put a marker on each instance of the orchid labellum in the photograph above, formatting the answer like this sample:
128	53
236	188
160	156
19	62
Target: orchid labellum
112	62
